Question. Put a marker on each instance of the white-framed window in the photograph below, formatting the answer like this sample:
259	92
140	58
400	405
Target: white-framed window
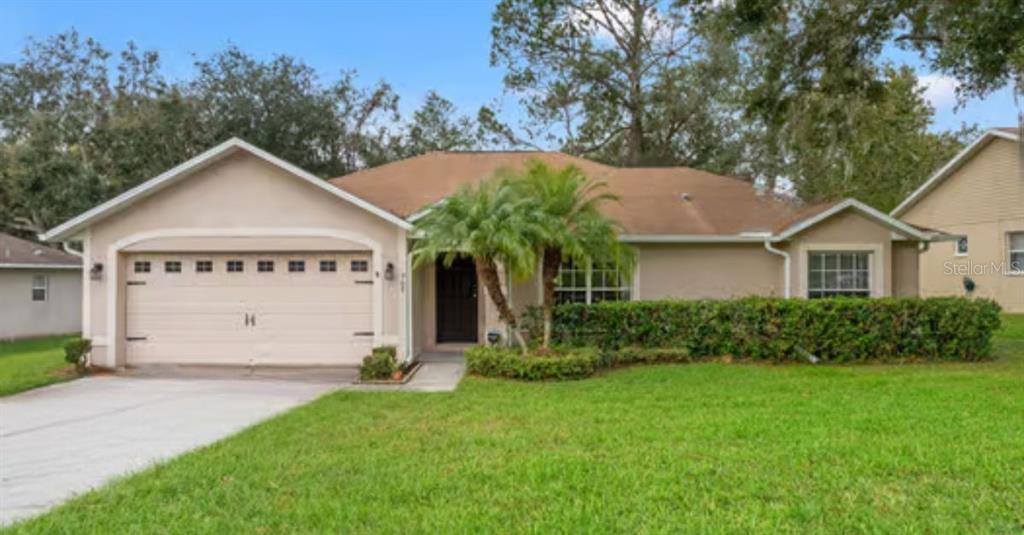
172	266
204	266
590	284
359	266
142	266
839	273
296	266
961	246
1016	252
235	266
328	266
40	287
264	266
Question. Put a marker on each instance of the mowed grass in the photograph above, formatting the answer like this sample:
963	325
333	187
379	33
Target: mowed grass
709	448
27	364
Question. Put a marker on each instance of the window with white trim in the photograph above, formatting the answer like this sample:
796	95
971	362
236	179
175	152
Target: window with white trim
264	266
328	266
235	266
961	246
40	287
359	266
1016	255
296	266
172	266
142	266
204	266
590	284
835	273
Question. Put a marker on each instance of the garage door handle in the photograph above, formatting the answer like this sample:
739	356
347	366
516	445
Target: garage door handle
246	319
253	320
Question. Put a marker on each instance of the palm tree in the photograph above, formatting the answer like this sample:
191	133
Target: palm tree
489	224
566	206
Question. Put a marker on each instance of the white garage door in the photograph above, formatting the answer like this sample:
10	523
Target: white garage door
249	309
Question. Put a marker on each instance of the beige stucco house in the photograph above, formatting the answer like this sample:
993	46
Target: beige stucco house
237	257
40	290
979	197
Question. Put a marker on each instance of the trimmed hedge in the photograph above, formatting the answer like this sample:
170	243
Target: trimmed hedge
786	330
508	363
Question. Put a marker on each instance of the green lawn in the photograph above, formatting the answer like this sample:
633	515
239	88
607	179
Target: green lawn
704	447
27	364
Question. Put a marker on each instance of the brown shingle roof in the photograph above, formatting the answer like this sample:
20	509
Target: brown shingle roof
652	198
18	251
1009	129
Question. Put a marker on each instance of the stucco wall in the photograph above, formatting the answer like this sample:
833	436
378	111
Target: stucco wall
983	200
904	269
712	271
238	196
21	317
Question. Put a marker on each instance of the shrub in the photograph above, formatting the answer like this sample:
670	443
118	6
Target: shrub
644	355
509	363
77	351
779	330
379	365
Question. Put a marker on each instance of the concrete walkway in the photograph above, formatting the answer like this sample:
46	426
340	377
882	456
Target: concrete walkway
439	372
65	439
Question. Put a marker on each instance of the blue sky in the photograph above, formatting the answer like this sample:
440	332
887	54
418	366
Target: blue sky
416	46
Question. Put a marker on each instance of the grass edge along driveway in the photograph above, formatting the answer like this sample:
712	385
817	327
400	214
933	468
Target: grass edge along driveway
31	363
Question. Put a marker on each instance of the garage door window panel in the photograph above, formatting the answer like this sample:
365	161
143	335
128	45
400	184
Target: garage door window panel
265	266
204	266
328	266
172	266
235	266
296	266
142	266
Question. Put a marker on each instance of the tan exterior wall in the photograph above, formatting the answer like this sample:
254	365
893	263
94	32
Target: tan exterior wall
240	196
983	200
21	317
904	269
847	231
712	271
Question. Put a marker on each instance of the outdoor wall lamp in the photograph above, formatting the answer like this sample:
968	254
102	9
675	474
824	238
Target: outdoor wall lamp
96	272
389	272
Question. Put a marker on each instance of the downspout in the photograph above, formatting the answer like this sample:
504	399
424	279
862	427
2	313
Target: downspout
785	256
410	345
67	249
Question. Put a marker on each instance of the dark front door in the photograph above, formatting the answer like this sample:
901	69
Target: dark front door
456	301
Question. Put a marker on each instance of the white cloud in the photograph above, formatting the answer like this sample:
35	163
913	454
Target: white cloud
939	90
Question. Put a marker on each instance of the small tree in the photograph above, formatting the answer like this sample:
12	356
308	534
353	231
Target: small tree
566	206
489	224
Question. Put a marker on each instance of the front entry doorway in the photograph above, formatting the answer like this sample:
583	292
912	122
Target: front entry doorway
456	301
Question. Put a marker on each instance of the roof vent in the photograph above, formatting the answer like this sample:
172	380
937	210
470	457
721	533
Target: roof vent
685	197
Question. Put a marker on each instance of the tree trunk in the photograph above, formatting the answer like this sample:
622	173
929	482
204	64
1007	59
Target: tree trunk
487	272
549	273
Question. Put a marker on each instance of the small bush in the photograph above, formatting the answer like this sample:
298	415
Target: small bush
504	362
379	365
781	330
77	351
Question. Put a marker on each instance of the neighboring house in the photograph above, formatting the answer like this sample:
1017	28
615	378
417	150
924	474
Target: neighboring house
237	257
40	290
979	197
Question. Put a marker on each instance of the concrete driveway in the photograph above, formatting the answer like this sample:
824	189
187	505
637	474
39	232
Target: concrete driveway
62	440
